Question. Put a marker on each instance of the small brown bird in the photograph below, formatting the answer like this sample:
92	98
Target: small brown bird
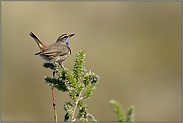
56	52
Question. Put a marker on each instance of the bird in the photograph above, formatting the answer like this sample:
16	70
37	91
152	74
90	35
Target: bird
56	52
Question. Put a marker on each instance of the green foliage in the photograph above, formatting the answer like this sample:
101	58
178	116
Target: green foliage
79	65
68	108
57	83
79	89
49	65
90	81
118	110
120	113
130	115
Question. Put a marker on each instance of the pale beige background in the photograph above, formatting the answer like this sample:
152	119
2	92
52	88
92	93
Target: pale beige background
135	47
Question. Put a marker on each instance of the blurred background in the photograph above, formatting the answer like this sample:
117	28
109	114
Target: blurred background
135	48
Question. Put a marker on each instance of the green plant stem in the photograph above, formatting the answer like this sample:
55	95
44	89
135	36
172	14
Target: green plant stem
72	119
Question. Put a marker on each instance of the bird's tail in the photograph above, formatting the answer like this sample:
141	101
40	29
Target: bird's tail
40	44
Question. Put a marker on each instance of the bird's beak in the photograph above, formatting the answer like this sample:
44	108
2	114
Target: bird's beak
71	35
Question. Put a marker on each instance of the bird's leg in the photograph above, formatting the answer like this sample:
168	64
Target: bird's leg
61	64
53	70
54	73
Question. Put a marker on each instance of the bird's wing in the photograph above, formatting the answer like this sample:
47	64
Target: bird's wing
55	50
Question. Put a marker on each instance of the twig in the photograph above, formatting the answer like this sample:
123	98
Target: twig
54	104
72	119
54	95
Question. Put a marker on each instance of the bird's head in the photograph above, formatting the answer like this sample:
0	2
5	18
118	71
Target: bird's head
64	38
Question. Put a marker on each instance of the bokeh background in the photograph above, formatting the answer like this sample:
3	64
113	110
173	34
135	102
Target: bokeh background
135	48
